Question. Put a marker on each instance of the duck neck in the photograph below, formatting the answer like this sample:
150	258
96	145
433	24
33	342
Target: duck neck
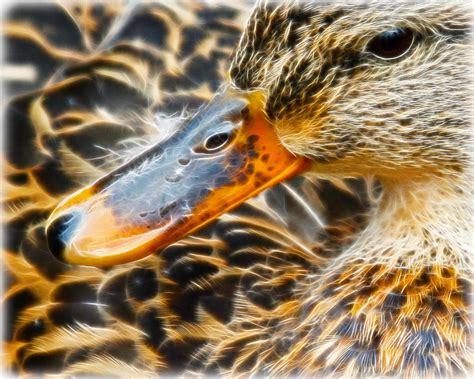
421	221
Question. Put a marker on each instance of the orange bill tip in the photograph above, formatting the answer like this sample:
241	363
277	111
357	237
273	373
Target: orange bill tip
225	155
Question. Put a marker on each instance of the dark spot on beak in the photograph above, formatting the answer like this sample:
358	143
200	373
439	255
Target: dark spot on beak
253	138
183	161
204	192
164	211
222	181
242	178
234	162
174	179
252	154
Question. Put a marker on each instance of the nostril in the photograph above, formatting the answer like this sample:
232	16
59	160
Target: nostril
57	233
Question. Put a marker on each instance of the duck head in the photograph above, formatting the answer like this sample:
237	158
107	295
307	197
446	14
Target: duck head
373	88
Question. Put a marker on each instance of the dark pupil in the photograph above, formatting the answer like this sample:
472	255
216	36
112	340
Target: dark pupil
391	43
216	141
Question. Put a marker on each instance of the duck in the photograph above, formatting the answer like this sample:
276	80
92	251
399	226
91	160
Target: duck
374	90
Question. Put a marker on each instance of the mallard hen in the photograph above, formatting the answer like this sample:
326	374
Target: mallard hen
378	89
113	67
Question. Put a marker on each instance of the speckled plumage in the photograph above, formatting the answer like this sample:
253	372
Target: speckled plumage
382	289
397	302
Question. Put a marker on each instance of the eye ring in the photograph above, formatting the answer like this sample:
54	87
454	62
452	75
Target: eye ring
392	44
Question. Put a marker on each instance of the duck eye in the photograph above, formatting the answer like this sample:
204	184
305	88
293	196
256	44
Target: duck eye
392	43
215	143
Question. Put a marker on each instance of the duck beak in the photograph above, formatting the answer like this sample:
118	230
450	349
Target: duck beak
227	153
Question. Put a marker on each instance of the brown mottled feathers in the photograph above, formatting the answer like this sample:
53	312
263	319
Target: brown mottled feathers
277	287
93	97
